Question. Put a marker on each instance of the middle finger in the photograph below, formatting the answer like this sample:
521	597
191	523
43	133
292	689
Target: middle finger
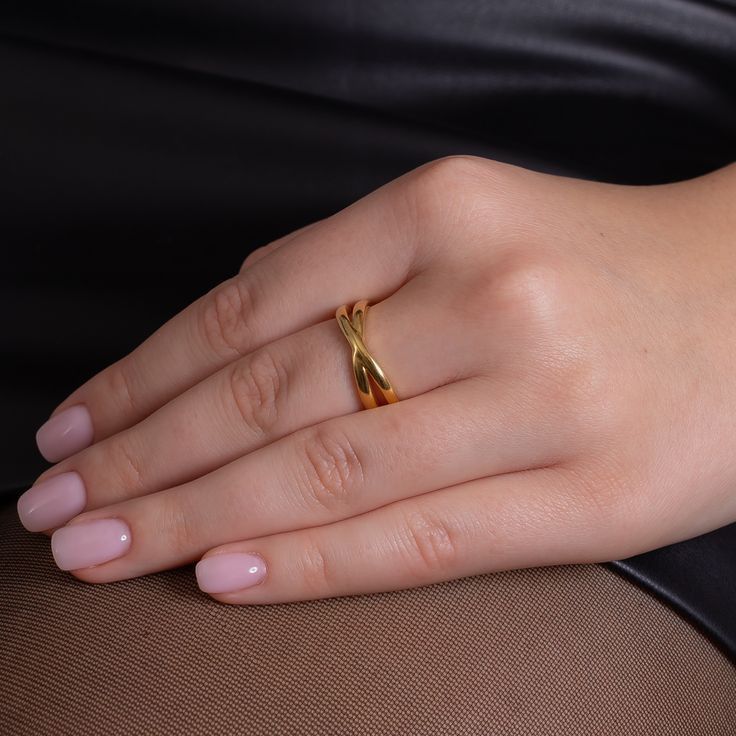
291	383
334	470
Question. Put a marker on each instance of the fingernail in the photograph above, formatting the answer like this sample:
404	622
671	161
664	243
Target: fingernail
89	543
52	502
229	572
66	433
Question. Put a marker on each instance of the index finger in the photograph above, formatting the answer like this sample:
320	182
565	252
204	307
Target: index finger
367	250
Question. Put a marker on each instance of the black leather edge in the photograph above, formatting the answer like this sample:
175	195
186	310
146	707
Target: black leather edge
697	578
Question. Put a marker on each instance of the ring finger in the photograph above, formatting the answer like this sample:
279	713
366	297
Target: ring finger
294	382
337	469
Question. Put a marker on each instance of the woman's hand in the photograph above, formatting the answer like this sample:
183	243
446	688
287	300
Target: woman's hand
564	353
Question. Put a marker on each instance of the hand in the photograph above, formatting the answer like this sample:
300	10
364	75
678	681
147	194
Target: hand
564	355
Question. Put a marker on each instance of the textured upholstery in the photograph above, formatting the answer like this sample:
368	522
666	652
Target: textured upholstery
569	650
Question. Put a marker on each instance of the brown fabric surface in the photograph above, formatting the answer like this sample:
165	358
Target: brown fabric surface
568	650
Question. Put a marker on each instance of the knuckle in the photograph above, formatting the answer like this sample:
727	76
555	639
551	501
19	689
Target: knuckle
579	388
128	465
227	316
255	255
177	523
316	572
257	385
331	471
531	295
600	496
430	544
461	193
535	296
474	182
522	296
440	171
444	185
121	386
528	286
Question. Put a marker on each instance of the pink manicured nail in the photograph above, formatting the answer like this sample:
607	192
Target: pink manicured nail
52	502
228	572
89	543
66	433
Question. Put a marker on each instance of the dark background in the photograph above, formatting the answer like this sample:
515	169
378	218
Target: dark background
147	147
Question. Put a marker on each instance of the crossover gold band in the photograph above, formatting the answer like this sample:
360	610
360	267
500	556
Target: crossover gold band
363	362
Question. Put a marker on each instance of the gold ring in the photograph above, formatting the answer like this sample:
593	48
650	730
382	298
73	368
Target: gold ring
364	364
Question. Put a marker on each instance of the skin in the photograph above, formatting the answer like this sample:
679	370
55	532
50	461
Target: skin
564	353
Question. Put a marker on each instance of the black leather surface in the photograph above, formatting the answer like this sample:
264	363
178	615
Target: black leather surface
698	577
146	148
